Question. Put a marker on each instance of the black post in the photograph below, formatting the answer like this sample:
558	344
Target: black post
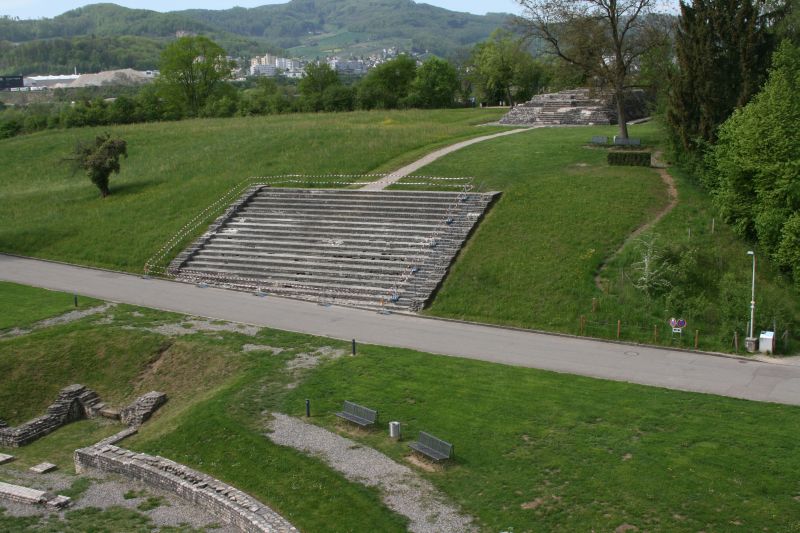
75	299
308	408
354	346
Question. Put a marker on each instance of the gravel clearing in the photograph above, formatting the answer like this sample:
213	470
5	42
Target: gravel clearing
109	490
403	490
66	318
193	325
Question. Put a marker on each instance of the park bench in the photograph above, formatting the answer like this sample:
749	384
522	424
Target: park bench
599	139
620	141
428	445
358	414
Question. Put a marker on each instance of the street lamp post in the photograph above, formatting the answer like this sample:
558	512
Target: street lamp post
751	342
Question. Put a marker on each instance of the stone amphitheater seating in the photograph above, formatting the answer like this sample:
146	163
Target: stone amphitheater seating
387	249
573	107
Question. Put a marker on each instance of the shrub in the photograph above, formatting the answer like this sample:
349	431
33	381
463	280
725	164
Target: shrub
629	158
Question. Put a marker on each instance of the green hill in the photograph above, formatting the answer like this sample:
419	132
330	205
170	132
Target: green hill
89	37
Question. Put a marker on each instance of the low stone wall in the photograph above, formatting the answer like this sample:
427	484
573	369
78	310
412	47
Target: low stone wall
140	411
27	496
221	500
74	403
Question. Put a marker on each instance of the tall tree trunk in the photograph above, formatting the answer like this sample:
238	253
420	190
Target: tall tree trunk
622	119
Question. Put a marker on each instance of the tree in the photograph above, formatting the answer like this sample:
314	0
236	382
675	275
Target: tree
606	39
99	159
722	49
318	78
502	69
388	84
192	69
754	169
435	85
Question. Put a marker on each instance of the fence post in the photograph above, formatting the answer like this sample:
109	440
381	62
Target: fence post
582	328
619	328
736	340
655	333
594	305
696	337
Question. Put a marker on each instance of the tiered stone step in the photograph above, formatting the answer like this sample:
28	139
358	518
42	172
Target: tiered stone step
574	107
386	249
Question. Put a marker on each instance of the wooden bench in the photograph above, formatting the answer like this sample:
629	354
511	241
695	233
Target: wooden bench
432	447
599	139
358	414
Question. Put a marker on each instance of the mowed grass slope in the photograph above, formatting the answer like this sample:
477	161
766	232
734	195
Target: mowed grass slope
532	261
534	450
540	451
177	169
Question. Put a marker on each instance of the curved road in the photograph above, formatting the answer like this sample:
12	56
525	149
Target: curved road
727	376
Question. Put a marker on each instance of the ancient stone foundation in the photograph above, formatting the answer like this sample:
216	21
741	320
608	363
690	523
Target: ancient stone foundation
221	500
575	107
74	403
140	411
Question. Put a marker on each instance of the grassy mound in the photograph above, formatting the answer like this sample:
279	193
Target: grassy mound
533	449
177	169
564	213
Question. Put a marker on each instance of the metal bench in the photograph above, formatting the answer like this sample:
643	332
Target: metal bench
620	141
599	139
358	414
430	446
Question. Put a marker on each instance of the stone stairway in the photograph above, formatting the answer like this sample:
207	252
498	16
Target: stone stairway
574	107
388	249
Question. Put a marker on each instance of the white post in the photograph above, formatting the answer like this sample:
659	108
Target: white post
751	341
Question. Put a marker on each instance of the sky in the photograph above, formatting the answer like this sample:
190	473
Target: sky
31	9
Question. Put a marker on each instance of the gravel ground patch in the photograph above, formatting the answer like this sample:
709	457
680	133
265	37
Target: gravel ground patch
303	361
108	491
194	325
66	318
403	490
261	348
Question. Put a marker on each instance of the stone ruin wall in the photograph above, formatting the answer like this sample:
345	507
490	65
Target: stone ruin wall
221	500
76	402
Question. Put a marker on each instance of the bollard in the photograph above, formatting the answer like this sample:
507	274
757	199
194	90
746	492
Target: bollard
308	408
75	299
619	327
696	337
354	347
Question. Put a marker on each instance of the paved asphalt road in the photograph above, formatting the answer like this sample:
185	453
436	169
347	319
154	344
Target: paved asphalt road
726	376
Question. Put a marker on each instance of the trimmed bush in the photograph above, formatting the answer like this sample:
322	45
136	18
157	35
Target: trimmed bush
629	158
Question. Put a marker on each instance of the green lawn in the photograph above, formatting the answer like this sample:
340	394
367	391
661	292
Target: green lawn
585	454
564	212
535	451
21	305
177	169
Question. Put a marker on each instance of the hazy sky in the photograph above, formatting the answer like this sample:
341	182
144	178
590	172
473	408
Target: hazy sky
51	8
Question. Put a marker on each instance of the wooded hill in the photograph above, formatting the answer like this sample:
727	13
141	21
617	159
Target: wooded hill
105	36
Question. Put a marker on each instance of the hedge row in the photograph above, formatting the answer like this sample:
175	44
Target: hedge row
629	158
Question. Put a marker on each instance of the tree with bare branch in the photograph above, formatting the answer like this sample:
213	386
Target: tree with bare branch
606	39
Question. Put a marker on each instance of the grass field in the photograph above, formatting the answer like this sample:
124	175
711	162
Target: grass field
564	212
535	451
21	306
177	169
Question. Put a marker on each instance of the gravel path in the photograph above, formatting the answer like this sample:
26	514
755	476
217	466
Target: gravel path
401	173
403	490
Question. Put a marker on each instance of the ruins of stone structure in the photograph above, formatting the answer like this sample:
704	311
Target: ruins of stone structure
140	411
575	107
74	403
220	499
28	496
